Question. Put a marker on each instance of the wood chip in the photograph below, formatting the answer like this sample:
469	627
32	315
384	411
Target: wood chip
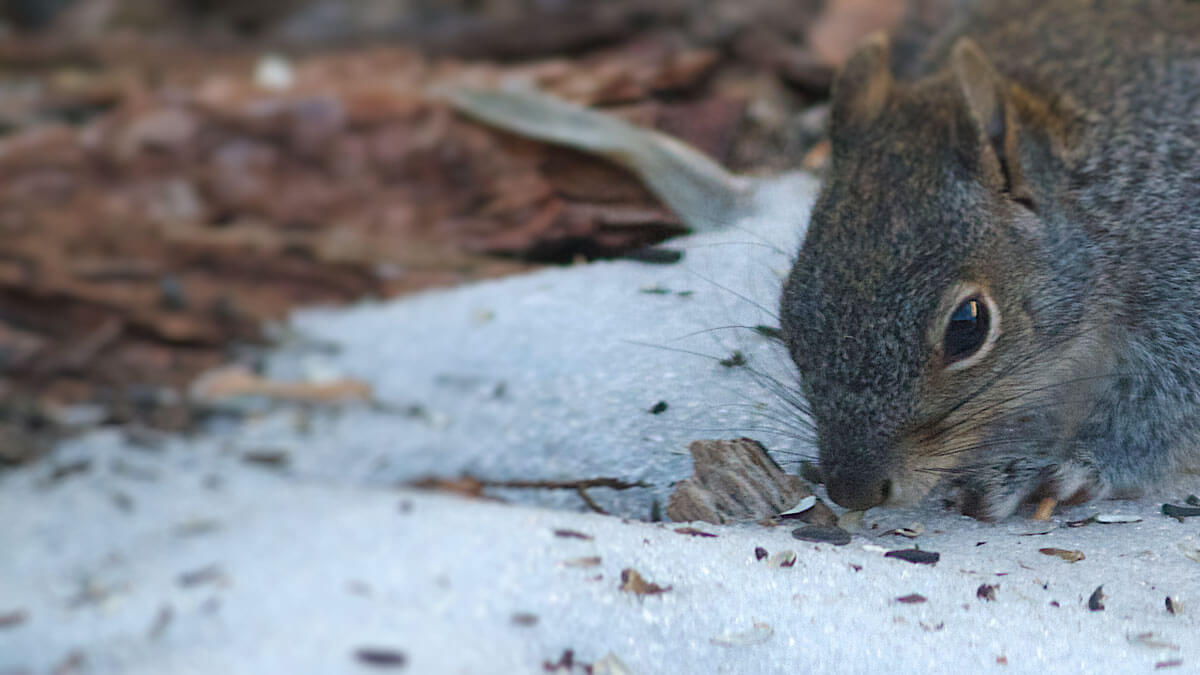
734	481
1069	556
585	561
633	582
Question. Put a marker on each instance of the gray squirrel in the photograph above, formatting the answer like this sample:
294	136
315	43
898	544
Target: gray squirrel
1000	283
1001	280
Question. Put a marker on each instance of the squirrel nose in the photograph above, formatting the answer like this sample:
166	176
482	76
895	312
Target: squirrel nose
858	492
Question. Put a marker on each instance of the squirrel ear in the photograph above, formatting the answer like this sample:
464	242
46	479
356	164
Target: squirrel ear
861	89
994	115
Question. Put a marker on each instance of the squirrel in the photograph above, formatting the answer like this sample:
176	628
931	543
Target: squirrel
1000	281
998	284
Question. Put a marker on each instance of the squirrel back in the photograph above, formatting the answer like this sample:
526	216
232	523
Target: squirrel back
998	282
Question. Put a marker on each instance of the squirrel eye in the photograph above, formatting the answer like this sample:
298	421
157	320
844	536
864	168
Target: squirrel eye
967	330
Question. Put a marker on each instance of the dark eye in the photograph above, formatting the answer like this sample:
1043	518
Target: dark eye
967	330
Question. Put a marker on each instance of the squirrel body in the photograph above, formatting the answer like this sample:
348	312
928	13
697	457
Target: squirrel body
1000	284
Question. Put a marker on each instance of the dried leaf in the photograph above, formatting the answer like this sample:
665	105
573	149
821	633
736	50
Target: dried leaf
1069	556
694	532
632	582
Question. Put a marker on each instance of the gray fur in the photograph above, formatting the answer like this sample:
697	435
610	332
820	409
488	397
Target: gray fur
1094	383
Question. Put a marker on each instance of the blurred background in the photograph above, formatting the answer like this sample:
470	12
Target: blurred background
175	175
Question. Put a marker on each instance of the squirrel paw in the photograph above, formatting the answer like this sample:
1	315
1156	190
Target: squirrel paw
993	491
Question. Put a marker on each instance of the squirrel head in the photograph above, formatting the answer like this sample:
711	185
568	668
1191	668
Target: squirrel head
912	309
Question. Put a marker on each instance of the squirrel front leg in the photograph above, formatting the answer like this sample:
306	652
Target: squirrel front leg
995	489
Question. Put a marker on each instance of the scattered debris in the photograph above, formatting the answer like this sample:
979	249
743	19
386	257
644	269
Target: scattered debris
66	470
784	558
654	255
525	619
987	592
757	635
694	532
1043	529
273	459
1069	556
196	527
1180	512
822	534
915	555
802	506
658	408
162	620
229	382
14	618
1149	640
1117	518
209	574
632	582
1174	606
381	657
734	480
572	534
913	531
1095	601
911	599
